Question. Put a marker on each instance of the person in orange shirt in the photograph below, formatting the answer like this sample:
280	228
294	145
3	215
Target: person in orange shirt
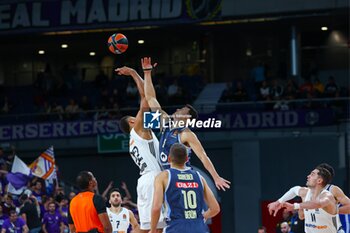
87	211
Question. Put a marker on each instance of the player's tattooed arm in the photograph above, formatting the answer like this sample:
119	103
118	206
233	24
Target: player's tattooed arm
342	199
189	138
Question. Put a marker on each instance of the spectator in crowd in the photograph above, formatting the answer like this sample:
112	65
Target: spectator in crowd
72	109
276	90
8	204
318	88
63	210
57	109
286	217
30	213
285	227
14	224
296	224
37	189
240	94
44	207
331	88
306	88
3	217
262	229
52	220
264	91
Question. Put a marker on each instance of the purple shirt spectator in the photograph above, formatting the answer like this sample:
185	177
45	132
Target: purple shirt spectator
2	219
52	222
38	196
65	215
17	227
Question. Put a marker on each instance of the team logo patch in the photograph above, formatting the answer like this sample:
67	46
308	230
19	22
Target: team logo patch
124	216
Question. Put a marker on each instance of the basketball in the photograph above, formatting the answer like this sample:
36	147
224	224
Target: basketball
117	43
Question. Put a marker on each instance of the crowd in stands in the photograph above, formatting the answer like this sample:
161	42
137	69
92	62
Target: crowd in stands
289	223
59	98
40	208
67	97
281	93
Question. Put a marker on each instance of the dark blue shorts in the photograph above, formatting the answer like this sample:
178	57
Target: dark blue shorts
186	226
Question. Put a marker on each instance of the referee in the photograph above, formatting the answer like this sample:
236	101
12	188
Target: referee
87	211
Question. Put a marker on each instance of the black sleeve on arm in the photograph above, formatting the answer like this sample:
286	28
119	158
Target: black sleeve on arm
70	219
99	204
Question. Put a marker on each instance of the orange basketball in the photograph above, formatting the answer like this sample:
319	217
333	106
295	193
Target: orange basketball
117	43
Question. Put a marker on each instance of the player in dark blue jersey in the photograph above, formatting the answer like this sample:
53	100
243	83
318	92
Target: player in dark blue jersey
184	192
175	133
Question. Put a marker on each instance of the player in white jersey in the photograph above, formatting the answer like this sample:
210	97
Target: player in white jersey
144	150
120	217
318	207
337	192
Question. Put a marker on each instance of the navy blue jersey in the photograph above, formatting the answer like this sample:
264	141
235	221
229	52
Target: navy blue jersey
184	195
167	139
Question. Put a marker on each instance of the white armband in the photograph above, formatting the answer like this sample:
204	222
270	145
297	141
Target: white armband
293	192
296	206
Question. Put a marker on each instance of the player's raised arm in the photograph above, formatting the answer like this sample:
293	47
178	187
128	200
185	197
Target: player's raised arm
324	201
136	77
140	87
150	92
295	191
342	199
188	137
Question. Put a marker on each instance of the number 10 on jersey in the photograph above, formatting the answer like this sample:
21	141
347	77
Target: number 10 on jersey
190	202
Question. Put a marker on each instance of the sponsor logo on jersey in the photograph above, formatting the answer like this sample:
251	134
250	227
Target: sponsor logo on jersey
187	185
315	226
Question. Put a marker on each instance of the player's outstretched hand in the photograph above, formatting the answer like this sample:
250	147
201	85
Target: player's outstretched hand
146	64
124	71
274	207
288	206
221	183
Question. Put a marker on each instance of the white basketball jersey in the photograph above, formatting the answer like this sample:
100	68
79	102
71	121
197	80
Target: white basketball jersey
120	222
318	220
328	188
145	153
